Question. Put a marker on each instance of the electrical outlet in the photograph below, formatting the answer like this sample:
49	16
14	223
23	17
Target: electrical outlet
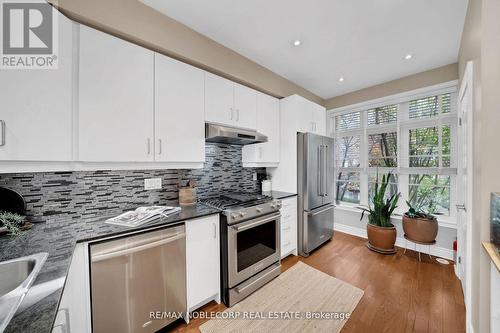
152	183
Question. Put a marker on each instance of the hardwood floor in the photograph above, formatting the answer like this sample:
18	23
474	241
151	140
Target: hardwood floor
401	294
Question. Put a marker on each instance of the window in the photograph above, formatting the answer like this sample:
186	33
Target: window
382	115
348	121
430	193
347	151
382	149
413	139
347	186
392	185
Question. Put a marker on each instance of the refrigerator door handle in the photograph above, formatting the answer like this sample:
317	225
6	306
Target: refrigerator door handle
325	191
320	178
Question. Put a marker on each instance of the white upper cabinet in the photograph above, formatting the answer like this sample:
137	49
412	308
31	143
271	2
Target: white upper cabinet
245	106
297	115
219	100
179	111
229	103
36	110
319	119
115	108
268	123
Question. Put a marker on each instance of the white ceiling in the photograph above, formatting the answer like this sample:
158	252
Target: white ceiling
363	41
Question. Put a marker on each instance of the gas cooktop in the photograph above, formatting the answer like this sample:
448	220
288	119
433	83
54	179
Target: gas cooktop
231	199
241	206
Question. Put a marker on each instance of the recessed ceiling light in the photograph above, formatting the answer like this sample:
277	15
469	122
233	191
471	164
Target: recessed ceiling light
296	42
341	79
408	56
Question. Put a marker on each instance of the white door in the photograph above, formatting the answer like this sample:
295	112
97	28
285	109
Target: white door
464	181
245	105
115	99
219	101
179	111
202	260
36	111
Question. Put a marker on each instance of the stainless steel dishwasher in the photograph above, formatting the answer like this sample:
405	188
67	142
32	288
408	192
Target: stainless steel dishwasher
134	276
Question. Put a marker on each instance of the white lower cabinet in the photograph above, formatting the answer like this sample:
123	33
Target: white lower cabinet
288	226
202	261
73	314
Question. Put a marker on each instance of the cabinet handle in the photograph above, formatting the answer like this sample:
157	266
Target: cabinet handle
149	146
159	146
237	114
2	137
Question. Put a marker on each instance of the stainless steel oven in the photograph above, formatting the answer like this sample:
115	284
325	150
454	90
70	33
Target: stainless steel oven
253	245
250	242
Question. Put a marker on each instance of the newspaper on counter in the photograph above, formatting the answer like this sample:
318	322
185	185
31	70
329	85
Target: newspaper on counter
142	215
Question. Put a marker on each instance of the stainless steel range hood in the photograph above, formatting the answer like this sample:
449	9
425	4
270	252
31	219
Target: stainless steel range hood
232	135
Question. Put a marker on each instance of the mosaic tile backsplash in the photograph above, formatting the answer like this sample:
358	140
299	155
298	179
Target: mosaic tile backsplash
63	196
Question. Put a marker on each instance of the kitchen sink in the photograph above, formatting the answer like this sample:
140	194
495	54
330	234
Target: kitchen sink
16	277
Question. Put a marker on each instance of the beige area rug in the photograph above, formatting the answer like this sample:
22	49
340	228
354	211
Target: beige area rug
289	303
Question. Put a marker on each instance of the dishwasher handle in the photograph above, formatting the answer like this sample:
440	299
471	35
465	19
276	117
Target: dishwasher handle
124	252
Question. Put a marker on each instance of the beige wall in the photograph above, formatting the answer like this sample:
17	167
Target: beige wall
134	21
420	80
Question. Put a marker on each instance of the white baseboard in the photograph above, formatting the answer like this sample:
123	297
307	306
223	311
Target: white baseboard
436	251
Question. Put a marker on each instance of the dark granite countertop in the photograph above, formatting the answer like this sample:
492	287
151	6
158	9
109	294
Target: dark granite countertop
59	240
280	195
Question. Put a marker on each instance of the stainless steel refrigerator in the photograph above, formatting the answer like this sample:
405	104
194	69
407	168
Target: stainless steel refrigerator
315	190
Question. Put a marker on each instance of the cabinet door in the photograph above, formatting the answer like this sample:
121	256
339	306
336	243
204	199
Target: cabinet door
179	111
115	99
202	260
268	123
36	111
306	121
73	314
319	118
245	104
219	100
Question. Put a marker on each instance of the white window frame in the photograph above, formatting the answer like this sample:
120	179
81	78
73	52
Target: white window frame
402	127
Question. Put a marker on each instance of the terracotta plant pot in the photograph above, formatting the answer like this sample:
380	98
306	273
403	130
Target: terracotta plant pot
420	229
381	239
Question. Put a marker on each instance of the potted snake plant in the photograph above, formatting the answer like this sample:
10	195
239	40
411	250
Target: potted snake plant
420	225
381	232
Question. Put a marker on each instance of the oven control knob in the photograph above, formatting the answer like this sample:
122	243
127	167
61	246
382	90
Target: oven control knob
234	216
259	209
242	214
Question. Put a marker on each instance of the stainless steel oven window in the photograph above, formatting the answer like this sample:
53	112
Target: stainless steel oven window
252	246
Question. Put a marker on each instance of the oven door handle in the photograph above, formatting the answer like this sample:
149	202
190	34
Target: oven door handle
256	223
